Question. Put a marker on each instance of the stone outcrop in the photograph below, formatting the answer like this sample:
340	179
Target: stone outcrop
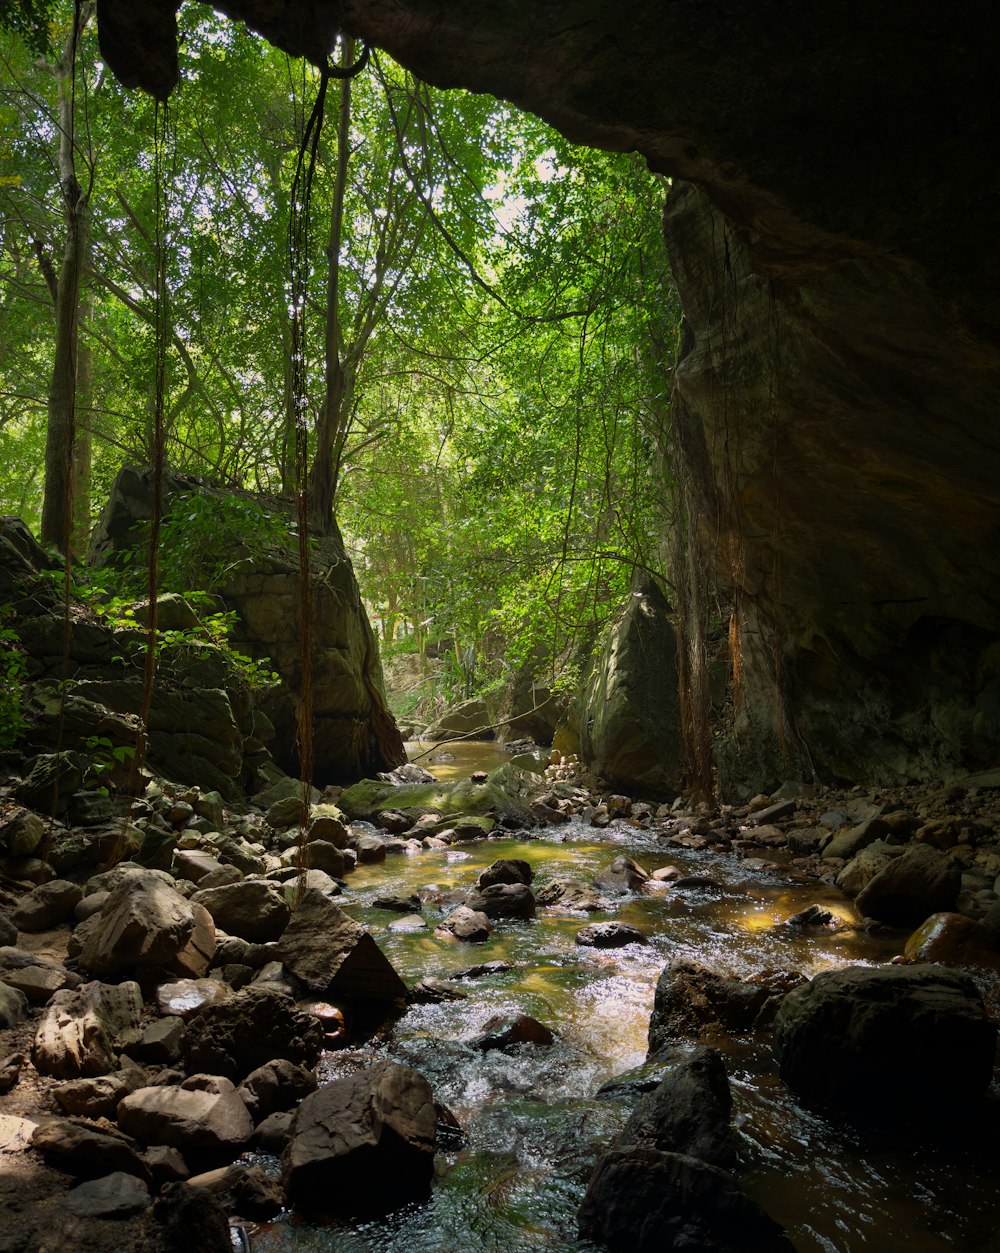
353	732
628	718
146	924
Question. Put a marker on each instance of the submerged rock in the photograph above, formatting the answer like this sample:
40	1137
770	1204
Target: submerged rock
621	876
609	935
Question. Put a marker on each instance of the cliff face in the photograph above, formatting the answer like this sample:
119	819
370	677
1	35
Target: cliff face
834	243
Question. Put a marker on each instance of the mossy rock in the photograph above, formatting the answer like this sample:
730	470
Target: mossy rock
450	800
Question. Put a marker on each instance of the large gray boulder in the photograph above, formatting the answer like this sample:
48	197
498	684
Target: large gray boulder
688	1111
334	955
364	1144
146	924
249	1030
888	1040
629	716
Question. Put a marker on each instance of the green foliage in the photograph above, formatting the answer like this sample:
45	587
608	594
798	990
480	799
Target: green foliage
105	758
32	20
13	671
503	314
203	540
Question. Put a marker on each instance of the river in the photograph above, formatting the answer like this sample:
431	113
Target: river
534	1123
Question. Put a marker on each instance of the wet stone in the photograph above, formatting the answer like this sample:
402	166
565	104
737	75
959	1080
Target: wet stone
609	935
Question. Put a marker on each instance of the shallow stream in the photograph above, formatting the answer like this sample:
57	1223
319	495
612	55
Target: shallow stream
533	1122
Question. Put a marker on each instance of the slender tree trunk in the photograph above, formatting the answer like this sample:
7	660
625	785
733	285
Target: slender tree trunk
339	388
83	433
57	503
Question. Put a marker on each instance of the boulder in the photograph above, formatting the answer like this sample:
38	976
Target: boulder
161	1042
83	1150
252	909
203	1116
118	1195
570	893
21	833
466	924
39	981
333	955
188	997
47	906
643	1200
98	1097
860	870
81	1030
254	1027
621	876
920	882
890	1040
189	1218
689	1110
506	870
13	1006
146	923
503	900
954	940
609	935
363	1145
279	1085
628	716
848	844
693	1003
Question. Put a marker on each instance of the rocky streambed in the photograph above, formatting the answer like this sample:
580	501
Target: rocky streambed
503	1014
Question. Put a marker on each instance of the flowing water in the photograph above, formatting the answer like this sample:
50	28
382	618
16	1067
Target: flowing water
534	1123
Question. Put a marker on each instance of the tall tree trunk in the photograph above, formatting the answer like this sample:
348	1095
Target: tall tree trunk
57	503
83	431
338	393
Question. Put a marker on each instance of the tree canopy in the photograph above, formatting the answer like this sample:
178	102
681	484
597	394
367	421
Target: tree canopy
489	323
